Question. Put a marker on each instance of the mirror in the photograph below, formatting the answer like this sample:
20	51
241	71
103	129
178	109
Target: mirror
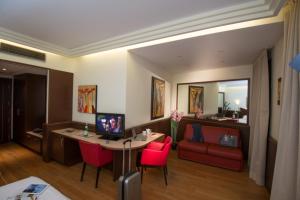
221	100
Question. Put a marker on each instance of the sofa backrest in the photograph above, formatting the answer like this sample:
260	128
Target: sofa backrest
188	132
211	134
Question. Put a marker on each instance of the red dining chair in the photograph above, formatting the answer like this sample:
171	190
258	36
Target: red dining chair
156	158
95	155
159	145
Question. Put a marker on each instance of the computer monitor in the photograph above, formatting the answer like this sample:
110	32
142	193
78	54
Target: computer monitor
110	125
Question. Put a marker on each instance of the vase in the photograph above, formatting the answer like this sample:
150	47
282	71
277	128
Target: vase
174	128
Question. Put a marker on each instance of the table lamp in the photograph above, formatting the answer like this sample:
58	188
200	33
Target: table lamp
237	102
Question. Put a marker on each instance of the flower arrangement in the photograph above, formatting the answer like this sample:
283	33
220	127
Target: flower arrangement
175	119
176	116
199	113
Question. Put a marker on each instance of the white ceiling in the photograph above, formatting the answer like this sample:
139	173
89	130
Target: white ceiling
225	49
71	25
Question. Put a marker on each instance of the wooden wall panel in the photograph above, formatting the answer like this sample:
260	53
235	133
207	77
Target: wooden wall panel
60	100
161	126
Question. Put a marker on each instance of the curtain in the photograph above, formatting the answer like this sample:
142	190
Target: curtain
286	180
259	118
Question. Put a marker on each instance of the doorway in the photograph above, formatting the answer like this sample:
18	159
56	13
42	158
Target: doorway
5	109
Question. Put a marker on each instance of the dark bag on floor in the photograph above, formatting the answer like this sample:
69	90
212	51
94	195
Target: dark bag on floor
129	184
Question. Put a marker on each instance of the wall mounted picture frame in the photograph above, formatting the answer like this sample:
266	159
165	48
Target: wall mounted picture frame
195	99
279	90
157	98
87	99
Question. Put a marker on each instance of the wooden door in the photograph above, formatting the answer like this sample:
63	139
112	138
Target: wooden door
19	109
5	109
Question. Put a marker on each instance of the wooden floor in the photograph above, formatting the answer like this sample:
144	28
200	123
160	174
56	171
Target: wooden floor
187	180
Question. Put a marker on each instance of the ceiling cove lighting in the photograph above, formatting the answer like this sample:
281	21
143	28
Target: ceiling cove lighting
230	27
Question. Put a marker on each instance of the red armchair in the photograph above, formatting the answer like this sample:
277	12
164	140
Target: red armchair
156	158
95	155
159	145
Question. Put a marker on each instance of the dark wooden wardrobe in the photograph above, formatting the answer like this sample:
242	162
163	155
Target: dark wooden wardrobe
30	91
5	109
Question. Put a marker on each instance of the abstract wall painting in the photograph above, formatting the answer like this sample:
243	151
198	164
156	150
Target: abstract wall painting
87	99
157	98
196	99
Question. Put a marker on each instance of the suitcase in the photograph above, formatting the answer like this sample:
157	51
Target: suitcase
129	184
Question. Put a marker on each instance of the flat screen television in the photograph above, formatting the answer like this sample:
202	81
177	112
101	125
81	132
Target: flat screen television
110	125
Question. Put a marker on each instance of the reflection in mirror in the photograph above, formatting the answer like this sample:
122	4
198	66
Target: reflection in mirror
222	101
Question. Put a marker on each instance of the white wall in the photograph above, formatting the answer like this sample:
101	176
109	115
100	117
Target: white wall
238	72
138	90
276	72
210	104
108	71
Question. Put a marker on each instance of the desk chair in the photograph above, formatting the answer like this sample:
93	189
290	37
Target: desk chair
95	155
159	145
156	158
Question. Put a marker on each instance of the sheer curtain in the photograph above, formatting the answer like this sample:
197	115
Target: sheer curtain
259	118
286	180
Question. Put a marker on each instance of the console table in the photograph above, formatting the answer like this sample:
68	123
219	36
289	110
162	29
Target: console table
115	146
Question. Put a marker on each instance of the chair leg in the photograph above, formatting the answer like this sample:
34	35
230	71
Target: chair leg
82	172
165	175
167	169
142	173
97	177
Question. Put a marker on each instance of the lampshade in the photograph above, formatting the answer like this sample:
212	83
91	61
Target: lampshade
295	63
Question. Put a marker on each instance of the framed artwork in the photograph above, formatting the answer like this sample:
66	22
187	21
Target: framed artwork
157	98
196	99
278	90
87	99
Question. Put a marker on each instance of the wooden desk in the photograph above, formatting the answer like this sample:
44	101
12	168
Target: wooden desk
115	146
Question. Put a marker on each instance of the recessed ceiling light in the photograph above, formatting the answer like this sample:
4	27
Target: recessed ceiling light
4	69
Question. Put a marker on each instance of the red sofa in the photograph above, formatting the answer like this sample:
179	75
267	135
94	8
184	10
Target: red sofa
210	151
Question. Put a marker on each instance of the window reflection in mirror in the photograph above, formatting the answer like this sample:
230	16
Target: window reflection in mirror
222	101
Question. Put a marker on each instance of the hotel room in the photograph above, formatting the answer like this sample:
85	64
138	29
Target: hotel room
150	99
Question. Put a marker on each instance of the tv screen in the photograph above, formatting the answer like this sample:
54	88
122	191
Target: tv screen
110	124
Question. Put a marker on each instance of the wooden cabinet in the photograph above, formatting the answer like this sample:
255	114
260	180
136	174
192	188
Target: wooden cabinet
29	108
64	150
33	142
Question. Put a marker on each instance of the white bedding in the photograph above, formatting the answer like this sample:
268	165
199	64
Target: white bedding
17	187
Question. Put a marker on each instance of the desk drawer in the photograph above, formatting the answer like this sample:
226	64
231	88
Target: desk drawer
32	142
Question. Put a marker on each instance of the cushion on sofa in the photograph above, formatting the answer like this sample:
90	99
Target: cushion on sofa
229	140
188	132
197	133
193	146
213	134
225	152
